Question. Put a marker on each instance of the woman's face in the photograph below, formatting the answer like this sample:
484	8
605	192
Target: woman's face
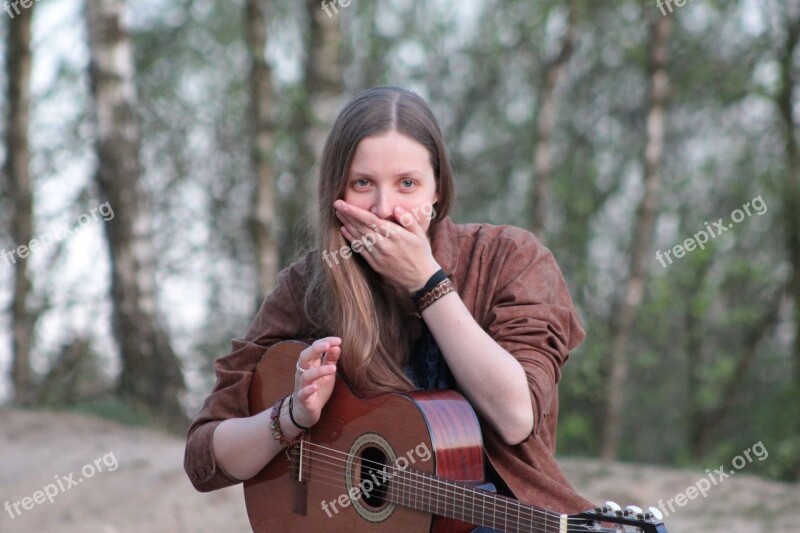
391	170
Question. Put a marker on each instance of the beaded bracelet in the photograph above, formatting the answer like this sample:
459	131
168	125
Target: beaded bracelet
443	287
275	425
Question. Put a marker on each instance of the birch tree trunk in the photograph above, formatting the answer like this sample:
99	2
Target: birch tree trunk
264	220
643	225
545	123
151	378
18	73
320	100
791	189
324	73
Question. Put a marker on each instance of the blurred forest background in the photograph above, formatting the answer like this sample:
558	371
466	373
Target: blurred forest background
611	129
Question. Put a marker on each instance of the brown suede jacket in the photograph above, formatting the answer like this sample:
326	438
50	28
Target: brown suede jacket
512	287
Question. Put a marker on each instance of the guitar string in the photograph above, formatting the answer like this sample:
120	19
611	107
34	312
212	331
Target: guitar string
437	480
508	504
521	524
531	509
469	514
513	527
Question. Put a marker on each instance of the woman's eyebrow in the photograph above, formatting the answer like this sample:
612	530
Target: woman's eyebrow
411	173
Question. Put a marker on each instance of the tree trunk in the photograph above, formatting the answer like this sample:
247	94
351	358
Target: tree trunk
702	432
791	189
263	223
151	378
640	243
324	74
18	73
320	101
545	123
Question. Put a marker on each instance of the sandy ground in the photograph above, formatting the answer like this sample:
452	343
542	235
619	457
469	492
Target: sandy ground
133	480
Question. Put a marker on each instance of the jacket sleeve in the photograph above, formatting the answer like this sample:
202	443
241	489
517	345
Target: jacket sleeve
531	315
278	319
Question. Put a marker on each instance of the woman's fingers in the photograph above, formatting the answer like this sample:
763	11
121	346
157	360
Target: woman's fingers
331	355
313	374
305	393
409	222
317	362
311	356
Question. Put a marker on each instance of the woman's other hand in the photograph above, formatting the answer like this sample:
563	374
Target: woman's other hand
314	384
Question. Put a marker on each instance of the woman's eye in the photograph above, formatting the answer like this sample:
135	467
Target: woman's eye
408	183
361	182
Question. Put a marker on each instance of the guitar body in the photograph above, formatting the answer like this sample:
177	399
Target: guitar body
427	431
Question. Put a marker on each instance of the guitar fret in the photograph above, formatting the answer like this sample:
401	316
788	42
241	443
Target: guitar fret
494	515
473	506
412	494
406	494
483	510
445	502
400	492
506	510
463	507
406	489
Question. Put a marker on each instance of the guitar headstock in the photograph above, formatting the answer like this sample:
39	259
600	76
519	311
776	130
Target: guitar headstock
646	521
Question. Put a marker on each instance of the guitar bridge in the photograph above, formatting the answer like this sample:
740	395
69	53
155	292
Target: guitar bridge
294	454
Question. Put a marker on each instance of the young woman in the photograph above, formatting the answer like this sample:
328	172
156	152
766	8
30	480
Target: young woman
397	297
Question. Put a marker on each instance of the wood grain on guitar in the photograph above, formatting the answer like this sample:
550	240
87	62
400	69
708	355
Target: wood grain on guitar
394	462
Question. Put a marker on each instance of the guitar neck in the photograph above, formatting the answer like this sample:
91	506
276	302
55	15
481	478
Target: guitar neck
425	492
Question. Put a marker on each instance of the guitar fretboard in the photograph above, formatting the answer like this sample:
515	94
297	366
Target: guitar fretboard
425	492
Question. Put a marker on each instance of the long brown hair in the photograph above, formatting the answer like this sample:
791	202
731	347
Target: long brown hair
349	299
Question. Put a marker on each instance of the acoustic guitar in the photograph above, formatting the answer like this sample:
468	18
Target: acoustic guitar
397	462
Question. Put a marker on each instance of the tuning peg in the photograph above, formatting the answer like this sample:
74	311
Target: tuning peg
655	512
632	509
613	506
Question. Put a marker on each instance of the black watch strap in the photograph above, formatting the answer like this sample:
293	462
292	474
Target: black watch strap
433	281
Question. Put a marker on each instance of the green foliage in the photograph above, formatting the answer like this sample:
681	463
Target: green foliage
111	408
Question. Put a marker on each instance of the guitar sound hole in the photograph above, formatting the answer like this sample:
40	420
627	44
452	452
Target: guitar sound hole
373	482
